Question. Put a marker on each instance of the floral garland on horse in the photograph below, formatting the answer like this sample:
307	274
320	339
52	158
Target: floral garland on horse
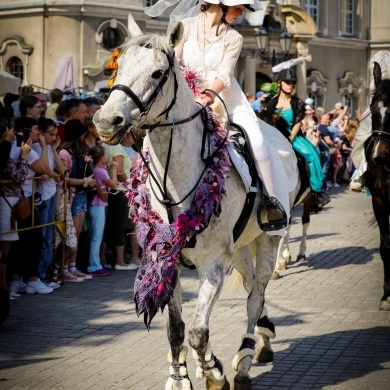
162	242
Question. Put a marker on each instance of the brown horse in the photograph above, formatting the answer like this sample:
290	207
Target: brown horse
378	171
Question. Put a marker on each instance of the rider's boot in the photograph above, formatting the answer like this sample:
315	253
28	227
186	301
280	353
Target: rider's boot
271	214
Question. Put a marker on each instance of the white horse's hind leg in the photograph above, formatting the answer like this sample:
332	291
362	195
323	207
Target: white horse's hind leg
208	364
284	253
178	353
302	248
266	256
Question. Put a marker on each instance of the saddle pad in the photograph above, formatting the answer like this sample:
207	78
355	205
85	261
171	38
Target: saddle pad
241	166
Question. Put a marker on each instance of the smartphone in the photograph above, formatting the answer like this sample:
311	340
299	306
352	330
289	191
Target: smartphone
22	135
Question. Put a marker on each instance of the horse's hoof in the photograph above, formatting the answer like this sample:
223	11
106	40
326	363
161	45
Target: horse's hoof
212	386
282	265
242	383
265	355
301	258
275	276
288	259
384	305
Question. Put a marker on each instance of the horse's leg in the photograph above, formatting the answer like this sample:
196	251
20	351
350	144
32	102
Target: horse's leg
266	255
284	257
382	217
208	365
307	209
178	353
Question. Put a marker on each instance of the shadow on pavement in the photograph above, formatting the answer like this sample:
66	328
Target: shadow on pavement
328	359
334	258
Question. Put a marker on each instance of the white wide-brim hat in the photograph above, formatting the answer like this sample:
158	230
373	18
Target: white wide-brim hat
252	5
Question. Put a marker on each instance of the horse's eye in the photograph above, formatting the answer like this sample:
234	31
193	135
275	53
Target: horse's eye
157	74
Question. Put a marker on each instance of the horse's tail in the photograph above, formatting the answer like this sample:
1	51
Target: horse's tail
233	280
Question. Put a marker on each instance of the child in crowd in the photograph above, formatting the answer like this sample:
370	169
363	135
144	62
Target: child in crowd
97	208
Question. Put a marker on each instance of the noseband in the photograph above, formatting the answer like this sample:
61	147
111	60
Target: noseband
145	107
381	135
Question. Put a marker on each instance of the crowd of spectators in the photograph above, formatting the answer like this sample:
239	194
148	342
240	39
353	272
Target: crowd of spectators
51	154
332	133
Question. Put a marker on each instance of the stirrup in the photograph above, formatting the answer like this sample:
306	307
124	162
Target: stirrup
267	205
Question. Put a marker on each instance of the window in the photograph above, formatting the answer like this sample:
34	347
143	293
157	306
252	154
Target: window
149	3
111	38
15	67
347	17
314	97
348	101
312	7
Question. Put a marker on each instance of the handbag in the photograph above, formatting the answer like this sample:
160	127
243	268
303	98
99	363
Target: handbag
21	210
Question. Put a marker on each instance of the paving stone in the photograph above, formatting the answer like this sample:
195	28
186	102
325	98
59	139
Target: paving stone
330	334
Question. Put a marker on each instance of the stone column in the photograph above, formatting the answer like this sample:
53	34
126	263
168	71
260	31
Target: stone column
302	50
250	74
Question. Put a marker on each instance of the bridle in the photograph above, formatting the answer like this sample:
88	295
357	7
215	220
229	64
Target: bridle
144	109
379	135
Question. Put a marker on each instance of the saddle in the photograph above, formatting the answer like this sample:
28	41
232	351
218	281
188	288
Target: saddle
242	159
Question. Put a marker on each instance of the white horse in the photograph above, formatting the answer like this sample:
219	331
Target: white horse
149	83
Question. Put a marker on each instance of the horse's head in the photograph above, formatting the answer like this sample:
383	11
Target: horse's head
380	109
145	86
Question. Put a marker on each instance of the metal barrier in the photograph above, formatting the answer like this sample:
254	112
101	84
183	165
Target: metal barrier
61	225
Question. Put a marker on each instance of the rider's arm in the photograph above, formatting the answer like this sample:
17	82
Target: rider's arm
295	130
226	68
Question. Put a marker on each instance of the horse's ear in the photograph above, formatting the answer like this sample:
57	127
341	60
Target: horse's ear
377	73
132	26
176	34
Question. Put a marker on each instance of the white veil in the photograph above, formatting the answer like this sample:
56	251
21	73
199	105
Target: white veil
184	9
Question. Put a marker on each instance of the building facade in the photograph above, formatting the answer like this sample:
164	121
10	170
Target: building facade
40	39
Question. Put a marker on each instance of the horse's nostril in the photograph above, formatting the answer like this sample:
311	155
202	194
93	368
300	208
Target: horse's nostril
117	121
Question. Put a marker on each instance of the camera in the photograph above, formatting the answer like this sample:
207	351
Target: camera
22	135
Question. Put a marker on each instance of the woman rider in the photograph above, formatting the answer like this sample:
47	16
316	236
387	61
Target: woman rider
291	111
211	47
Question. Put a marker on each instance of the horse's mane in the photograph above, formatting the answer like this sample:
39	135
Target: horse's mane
150	40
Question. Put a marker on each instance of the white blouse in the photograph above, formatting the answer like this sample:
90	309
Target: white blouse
214	56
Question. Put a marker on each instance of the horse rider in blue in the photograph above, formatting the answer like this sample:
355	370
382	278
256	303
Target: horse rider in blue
290	111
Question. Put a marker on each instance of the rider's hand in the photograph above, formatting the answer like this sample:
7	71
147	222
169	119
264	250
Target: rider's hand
207	97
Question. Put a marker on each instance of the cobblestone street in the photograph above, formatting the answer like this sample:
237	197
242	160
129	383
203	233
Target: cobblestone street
330	334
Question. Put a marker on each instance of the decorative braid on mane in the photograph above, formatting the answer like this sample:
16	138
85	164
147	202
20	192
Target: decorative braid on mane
162	242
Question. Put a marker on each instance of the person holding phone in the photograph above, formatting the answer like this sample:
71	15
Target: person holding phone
24	257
